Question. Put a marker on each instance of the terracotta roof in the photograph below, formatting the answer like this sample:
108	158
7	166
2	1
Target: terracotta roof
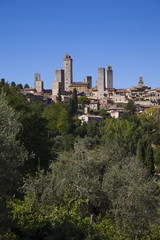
95	116
29	89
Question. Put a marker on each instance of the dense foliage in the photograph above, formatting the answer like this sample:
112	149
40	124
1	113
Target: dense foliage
63	180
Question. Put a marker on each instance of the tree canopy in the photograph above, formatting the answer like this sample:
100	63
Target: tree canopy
64	179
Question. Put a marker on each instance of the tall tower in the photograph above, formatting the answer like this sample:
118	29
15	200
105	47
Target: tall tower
59	77
59	82
67	66
109	77
88	79
38	84
101	82
140	83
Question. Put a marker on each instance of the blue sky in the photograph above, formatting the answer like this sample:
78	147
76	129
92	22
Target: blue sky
36	34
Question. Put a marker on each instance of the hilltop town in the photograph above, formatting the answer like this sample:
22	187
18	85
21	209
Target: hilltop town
102	96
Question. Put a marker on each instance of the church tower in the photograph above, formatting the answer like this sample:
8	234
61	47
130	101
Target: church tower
140	83
109	77
38	83
67	66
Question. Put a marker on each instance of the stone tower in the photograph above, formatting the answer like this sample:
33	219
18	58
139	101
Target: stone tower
88	79
140	83
59	82
38	84
67	66
101	82
109	77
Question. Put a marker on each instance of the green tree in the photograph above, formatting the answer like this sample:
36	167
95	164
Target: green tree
59	98
157	158
26	86
103	113
59	120
88	184
17	101
149	158
19	86
145	154
83	100
133	196
63	124
149	121
73	103
35	138
140	151
13	84
149	116
13	155
80	129
125	131
93	130
130	107
2	82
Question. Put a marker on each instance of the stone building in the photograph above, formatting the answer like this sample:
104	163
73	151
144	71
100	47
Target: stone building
88	79
101	82
59	82
82	86
67	66
103	95
109	77
140	83
79	86
38	84
104	83
89	118
94	104
153	95
103	103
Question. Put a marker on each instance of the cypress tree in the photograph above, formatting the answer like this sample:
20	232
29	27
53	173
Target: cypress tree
75	101
59	98
149	159
145	155
26	86
140	151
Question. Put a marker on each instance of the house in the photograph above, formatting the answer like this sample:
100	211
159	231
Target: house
89	118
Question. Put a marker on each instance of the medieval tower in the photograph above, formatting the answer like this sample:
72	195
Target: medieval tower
140	83
38	84
109	77
101	82
67	66
59	82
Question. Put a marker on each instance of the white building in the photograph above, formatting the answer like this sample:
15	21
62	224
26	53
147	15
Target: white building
88	118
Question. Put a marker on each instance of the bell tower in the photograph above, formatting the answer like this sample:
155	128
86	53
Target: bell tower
38	83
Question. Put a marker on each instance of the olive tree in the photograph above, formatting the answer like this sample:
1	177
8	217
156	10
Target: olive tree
12	153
